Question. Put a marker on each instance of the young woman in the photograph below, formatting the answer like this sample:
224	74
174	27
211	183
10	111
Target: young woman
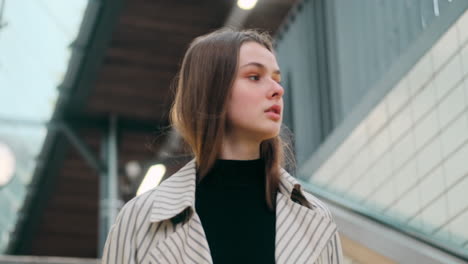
233	203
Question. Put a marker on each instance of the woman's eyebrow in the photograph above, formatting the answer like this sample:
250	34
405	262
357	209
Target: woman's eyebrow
257	64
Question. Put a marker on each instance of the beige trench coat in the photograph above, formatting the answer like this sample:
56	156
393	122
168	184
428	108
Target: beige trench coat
162	226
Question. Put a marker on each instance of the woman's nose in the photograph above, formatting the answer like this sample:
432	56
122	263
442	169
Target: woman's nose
276	90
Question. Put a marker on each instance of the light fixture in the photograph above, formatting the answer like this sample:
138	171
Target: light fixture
246	4
7	164
133	169
152	178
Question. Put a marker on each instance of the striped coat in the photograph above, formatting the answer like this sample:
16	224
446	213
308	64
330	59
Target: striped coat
161	226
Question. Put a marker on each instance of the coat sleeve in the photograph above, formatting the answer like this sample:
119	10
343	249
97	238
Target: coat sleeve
332	254
119	247
336	252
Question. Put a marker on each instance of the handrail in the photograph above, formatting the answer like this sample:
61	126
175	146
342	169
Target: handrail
9	259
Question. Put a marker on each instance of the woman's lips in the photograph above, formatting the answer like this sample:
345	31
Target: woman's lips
274	112
273	115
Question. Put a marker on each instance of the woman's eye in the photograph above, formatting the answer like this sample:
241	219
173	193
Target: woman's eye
254	77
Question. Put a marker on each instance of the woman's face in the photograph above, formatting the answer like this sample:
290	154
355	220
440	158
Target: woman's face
255	107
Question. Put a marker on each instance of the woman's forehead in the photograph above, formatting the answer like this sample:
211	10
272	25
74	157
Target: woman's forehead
252	53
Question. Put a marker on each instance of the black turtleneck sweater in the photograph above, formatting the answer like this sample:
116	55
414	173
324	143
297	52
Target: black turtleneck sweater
230	201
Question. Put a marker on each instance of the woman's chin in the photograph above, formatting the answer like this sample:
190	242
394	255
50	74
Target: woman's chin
270	134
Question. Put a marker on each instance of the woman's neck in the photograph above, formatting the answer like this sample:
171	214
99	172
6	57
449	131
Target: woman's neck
239	149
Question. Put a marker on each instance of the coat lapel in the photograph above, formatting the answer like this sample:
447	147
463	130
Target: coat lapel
302	231
187	244
185	241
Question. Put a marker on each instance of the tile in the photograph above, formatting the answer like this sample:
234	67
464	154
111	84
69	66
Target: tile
323	174
336	165
365	185
397	97
464	57
465	84
381	172
431	186
448	77
376	119
426	228
459	230
452	105
462	25
426	129
456	166
443	235
353	194
424	101
362	162
402	151
357	139
416	223
380	143
351	172
395	214
400	124
429	157
457	198
406	179
342	182
361	187
420	73
385	195
320	177
454	135
407	205
444	48
340	158
435	215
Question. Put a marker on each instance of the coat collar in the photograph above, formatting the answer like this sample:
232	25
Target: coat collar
179	189
304	227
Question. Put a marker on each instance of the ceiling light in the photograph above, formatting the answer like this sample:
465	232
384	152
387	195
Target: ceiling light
7	164
133	169
152	178
246	4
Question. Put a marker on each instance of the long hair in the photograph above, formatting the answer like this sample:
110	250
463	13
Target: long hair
203	88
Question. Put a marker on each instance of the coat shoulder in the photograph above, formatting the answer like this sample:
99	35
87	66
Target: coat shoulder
317	205
137	210
130	230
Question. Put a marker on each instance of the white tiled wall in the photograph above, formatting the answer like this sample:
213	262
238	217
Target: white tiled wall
408	159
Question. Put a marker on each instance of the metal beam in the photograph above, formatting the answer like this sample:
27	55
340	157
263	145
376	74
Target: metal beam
124	125
109	195
31	123
82	148
112	168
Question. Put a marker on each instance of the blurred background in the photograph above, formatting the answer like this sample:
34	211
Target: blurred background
376	97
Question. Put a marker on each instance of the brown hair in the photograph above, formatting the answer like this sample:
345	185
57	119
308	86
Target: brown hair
203	88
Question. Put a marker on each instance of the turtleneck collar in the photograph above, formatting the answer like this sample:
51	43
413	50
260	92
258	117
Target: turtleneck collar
235	173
